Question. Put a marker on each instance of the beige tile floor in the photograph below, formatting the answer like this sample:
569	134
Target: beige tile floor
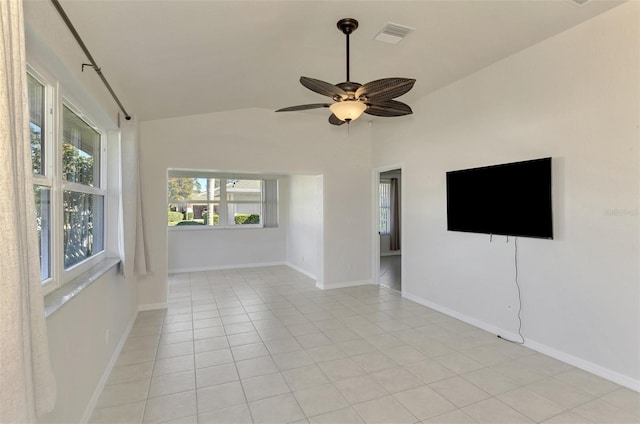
263	345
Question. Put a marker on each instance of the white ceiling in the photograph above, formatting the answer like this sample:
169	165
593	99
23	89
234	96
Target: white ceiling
182	57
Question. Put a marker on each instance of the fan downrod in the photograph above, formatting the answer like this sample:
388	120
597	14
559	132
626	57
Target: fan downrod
347	25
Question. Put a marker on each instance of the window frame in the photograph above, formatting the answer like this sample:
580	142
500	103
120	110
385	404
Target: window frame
100	190
228	202
223	202
52	178
46	177
381	207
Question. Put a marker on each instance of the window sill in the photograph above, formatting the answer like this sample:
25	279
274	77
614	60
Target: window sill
54	300
216	228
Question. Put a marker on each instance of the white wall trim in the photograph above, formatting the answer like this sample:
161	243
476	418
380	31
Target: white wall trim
107	372
233	266
152	307
302	271
583	364
324	286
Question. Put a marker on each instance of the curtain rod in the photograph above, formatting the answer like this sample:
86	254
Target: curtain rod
84	48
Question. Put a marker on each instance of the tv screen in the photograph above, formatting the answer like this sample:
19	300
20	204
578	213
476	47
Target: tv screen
510	199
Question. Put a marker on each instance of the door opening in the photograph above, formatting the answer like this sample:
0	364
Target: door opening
389	201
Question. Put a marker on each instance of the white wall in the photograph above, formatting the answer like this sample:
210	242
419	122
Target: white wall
204	249
573	97
262	141
304	234
79	349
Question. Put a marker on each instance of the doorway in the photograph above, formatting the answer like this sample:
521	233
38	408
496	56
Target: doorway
389	228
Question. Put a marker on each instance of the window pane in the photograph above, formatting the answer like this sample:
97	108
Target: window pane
43	220
36	123
244	191
243	213
194	214
80	151
83	226
191	197
212	218
179	189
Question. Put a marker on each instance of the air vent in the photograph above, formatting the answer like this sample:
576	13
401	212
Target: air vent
392	33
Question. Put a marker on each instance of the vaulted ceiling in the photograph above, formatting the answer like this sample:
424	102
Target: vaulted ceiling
183	57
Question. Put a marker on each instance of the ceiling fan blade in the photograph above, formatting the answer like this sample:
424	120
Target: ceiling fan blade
333	120
385	89
388	108
303	107
323	88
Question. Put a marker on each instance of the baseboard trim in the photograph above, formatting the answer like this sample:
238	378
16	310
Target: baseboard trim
152	307
219	267
567	358
325	286
585	365
86	416
301	271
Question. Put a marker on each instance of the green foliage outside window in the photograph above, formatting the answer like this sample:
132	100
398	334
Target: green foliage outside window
216	218
245	218
182	188
175	216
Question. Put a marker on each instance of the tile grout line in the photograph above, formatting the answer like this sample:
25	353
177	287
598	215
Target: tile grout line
193	344
244	393
155	356
293	301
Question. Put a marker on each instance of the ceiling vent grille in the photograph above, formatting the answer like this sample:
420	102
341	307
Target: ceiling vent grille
392	33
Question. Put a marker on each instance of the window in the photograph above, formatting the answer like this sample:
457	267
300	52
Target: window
69	189
42	178
83	200
199	199
385	206
36	124
244	202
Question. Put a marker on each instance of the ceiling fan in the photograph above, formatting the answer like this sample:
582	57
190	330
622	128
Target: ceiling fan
351	99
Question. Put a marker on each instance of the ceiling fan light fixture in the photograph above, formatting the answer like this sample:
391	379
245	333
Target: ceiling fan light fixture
352	99
348	110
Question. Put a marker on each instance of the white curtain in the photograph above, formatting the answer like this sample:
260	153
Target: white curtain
27	385
133	247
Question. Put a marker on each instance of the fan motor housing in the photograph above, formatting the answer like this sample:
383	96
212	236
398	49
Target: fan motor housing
350	87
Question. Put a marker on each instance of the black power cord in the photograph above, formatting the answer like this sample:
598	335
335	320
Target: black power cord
515	242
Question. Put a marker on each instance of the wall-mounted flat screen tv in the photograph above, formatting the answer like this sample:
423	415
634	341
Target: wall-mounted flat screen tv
511	199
